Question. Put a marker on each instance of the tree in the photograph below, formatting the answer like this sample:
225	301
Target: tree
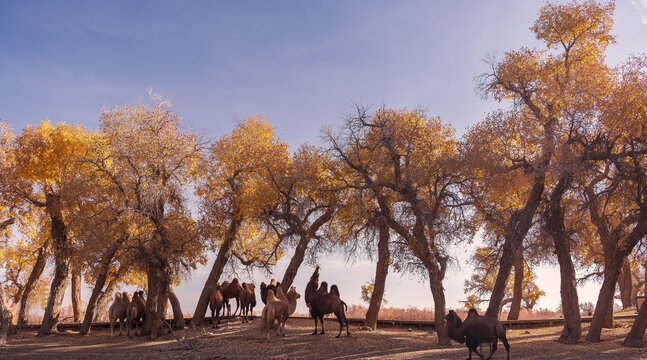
413	158
148	160
233	193
558	90
49	175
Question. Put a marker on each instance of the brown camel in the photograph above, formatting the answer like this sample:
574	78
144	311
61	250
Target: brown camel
475	330
278	310
216	303
117	311
312	286
324	302
265	288
247	300
230	291
136	311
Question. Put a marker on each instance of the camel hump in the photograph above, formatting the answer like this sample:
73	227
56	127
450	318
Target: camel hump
335	290
118	296
270	296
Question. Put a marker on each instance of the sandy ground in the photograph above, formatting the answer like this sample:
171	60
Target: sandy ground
241	341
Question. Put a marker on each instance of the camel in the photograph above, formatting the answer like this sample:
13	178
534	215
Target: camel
136	311
265	288
216	303
324	302
278	310
312	286
230	291
247	300
117	311
475	330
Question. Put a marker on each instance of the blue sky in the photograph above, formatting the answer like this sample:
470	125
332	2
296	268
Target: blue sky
301	64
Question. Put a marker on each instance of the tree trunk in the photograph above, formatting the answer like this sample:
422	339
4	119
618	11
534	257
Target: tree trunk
625	285
101	312
608	317
6	318
605	300
381	271
98	286
76	294
516	230
554	225
92	303
438	294
302	246
637	332
295	263
517	292
34	276
214	275
157	297
178	317
62	252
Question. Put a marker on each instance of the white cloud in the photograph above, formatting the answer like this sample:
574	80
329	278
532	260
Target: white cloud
641	6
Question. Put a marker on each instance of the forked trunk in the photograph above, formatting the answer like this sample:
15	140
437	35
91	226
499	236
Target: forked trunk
34	276
637	332
178	317
381	271
517	290
158	283
76	294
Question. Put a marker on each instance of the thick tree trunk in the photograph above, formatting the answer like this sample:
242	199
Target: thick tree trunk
572	330
517	228
605	300
178	317
637	332
101	311
295	263
517	291
76	294
608	317
554	225
6	318
381	271
62	252
92	303
158	284
98	286
438	294
302	246
625	284
34	276
214	275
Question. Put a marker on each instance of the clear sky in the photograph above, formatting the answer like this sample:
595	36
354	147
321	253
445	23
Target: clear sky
301	64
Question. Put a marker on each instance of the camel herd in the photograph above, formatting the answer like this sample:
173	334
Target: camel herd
475	330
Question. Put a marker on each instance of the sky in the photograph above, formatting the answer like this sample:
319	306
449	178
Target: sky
301	64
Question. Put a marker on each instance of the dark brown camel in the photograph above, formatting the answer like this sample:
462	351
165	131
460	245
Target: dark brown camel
312	286
216	303
324	303
265	288
232	290
136	312
246	299
475	330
